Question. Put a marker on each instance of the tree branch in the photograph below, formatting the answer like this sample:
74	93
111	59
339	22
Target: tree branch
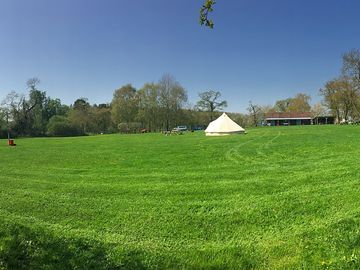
207	8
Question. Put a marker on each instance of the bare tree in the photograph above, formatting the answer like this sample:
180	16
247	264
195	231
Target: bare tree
124	104
209	101
172	97
254	111
33	83
15	109
351	67
10	107
318	110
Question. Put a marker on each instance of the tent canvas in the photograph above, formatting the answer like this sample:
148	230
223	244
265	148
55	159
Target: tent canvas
223	126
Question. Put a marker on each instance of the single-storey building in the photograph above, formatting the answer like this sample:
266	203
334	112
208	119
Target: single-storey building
296	118
324	120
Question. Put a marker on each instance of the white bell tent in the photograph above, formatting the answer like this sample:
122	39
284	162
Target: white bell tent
223	126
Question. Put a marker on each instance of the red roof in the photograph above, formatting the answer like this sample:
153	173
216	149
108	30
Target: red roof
287	115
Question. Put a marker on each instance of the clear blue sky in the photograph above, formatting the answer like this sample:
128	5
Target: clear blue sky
260	50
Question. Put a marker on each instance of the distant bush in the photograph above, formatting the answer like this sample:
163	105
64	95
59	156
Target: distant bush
60	126
3	133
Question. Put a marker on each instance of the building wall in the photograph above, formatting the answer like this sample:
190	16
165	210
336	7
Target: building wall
295	122
289	122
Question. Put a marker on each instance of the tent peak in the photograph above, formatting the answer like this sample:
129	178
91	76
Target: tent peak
223	125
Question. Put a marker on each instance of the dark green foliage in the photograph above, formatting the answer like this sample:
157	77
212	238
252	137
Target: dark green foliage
61	126
3	133
155	107
124	105
31	116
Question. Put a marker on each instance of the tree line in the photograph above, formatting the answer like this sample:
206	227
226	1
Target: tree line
154	107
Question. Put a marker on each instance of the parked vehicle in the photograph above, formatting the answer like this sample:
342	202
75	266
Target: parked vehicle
194	128
180	128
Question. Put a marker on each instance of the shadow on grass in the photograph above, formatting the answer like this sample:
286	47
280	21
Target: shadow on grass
334	247
24	248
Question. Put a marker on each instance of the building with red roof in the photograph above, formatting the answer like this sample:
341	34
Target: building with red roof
296	118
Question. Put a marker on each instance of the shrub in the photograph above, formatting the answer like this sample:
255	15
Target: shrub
3	133
61	126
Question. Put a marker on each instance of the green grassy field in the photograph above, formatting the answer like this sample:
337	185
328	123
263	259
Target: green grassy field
275	198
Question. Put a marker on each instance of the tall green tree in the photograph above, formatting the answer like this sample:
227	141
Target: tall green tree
3	123
282	105
299	103
54	107
37	113
81	116
102	118
341	98
149	106
124	105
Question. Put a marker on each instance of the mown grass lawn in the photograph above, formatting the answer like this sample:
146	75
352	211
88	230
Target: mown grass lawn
275	198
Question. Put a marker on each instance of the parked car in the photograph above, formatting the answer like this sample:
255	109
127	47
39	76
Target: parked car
180	128
198	128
